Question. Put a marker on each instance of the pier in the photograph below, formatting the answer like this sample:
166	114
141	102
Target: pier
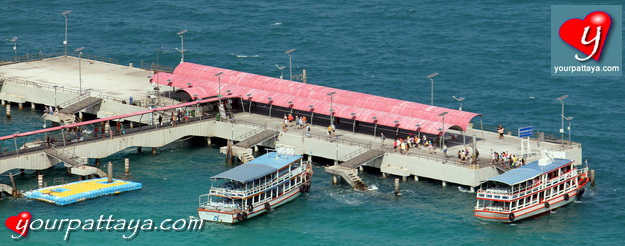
248	113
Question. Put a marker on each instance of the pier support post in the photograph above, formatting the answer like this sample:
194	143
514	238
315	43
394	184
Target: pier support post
127	166
154	151
335	179
397	187
383	175
3	102
139	149
40	180
110	172
360	168
416	178
80	115
22	173
8	111
20	106
256	149
404	178
131	125
15	191
444	183
97	162
472	190
32	106
592	177
209	141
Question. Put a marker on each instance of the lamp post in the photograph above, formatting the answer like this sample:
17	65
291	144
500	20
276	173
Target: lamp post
443	129
219	85
561	99
66	14
418	132
354	123
55	87
459	100
397	125
79	69
281	70
181	44
312	114
331	94
172	91
375	128
569	119
291	106
288	52
431	77
14	40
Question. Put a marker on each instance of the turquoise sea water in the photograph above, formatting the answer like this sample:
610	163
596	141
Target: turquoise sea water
495	55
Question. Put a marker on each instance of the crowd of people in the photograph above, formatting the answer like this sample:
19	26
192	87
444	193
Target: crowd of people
299	122
506	159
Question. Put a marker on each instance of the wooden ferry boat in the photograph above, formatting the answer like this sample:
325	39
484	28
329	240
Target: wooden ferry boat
256	187
530	190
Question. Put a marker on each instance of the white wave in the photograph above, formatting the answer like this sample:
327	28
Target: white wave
277	24
244	56
461	189
373	187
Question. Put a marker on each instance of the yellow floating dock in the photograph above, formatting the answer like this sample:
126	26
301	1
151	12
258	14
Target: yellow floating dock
82	190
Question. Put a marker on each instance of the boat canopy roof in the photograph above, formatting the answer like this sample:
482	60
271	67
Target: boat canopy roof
527	172
259	167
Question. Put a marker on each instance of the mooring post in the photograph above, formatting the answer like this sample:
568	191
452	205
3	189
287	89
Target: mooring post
397	186
40	180
209	141
3	102
592	177
8	111
110	172
80	115
127	166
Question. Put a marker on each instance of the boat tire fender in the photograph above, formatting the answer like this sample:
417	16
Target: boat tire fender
267	206
244	215
240	217
250	208
547	204
511	217
580	192
566	197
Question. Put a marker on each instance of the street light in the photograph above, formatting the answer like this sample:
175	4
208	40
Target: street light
79	69
331	94
459	100
375	129
354	124
181	44
312	114
66	14
569	119
397	124
249	98
288	52
443	129
219	85
14	40
418	132
281	70
431	77
291	105
561	99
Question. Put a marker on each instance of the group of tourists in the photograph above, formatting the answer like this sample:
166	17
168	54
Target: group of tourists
49	110
465	157
300	123
506	159
403	145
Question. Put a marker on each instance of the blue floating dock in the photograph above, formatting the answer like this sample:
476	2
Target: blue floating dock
82	190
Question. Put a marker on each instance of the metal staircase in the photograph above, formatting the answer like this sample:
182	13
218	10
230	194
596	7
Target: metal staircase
79	103
256	138
68	158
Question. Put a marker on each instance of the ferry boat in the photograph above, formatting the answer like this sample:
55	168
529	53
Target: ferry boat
530	190
255	187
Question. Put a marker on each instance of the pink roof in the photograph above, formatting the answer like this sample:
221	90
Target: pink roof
363	106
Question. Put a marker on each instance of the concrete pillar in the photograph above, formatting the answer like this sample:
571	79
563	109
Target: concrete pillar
20	106
110	172
404	178
127	166
416	178
32	105
397	187
106	127
335	179
131	125
139	149
592	177
97	162
383	175
40	180
360	168
472	190
22	173
444	183
3	102
256	148
8	111
209	141
154	151
80	116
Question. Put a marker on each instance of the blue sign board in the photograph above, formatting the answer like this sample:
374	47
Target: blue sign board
526	132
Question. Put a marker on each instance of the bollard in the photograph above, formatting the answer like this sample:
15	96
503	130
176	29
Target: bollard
32	106
416	178
8	111
397	187
127	166
20	106
592	177
110	172
40	180
444	183
154	151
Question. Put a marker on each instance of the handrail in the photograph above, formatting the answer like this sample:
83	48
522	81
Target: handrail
61	89
354	154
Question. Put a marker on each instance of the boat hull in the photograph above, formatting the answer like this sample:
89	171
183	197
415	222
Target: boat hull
543	207
233	217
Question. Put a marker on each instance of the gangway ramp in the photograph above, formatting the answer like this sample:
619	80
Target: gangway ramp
363	158
347	169
68	158
9	190
256	138
79	103
348	174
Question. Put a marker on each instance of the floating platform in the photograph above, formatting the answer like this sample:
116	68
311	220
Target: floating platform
82	190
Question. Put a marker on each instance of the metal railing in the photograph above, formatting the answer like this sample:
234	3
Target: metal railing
354	154
156	67
28	57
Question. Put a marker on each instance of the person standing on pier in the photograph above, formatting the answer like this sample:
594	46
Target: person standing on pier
500	130
160	119
383	138
308	131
